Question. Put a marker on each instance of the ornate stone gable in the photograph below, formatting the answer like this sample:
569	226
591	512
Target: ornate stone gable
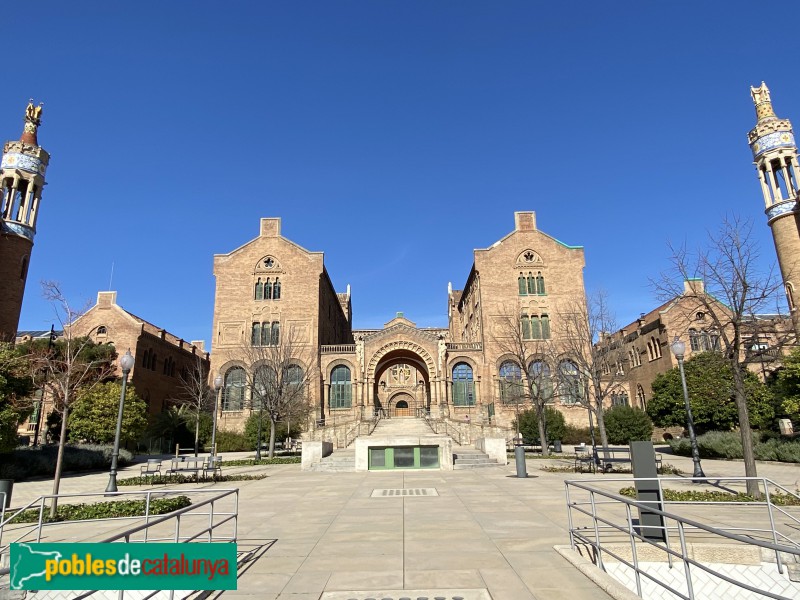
403	330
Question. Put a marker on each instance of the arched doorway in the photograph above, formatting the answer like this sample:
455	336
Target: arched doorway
402	405
401	387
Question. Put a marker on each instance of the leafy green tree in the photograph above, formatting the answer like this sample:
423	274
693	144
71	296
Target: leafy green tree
625	424
251	429
786	386
711	391
555	425
15	388
94	414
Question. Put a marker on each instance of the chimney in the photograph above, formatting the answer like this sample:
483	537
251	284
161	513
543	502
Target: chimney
106	299
525	221
270	227
694	286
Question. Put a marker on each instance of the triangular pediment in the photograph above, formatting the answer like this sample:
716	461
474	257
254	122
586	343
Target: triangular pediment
402	327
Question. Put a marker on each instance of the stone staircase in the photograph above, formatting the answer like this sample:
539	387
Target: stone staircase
470	458
341	461
398	426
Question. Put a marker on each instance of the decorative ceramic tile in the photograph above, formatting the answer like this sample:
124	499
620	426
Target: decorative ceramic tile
782	208
25	162
779	139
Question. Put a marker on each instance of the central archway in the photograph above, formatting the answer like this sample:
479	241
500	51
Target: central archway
401	384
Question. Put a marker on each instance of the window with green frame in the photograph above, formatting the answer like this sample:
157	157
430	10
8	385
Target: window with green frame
511	391
463	386
341	390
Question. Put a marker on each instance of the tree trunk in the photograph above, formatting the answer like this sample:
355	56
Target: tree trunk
543	431
601	427
753	489
197	433
272	428
62	441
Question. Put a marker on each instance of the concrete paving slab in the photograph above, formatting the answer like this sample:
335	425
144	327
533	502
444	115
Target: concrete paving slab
486	530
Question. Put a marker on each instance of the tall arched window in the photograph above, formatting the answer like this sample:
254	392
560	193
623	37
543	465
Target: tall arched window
341	392
531	284
255	335
276	290
523	285
233	390
265	333
510	383
268	289
276	334
526	327
259	291
571	384
640	396
23	272
463	386
541	381
540	284
536	328
294	383
264	386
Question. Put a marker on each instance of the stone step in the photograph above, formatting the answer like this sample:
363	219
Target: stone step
461	466
474	460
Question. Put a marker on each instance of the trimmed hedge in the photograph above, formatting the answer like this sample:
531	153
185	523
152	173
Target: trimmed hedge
625	424
24	463
728	445
180	479
105	510
713	496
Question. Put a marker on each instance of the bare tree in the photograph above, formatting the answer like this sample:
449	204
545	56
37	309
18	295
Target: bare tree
73	363
195	396
727	283
585	326
530	381
279	375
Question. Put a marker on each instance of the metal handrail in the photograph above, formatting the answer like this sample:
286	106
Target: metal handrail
682	524
174	515
41	501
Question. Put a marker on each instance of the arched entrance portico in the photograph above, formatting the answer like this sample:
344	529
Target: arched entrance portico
401	385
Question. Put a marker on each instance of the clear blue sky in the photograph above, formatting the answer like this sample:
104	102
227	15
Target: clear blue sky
395	136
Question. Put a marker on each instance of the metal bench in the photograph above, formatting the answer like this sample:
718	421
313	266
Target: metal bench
605	459
186	464
213	465
150	468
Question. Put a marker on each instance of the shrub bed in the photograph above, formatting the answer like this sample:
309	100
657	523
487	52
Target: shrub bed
24	463
180	479
712	496
728	444
105	510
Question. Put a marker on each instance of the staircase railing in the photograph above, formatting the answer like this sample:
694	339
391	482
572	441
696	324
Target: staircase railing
441	426
609	526
363	427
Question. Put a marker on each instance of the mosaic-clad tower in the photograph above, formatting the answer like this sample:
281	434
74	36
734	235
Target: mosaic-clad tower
775	154
22	173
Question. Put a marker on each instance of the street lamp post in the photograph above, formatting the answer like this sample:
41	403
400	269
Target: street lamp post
126	364
678	349
218	390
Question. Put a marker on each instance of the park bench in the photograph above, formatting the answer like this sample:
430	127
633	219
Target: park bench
213	465
186	465
151	468
605	460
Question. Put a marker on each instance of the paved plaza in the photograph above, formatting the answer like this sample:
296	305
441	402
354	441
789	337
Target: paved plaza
331	535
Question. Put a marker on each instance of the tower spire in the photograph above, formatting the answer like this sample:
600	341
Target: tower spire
22	171
761	99
775	157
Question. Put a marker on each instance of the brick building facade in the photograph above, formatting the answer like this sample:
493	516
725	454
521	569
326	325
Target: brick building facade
162	360
271	289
